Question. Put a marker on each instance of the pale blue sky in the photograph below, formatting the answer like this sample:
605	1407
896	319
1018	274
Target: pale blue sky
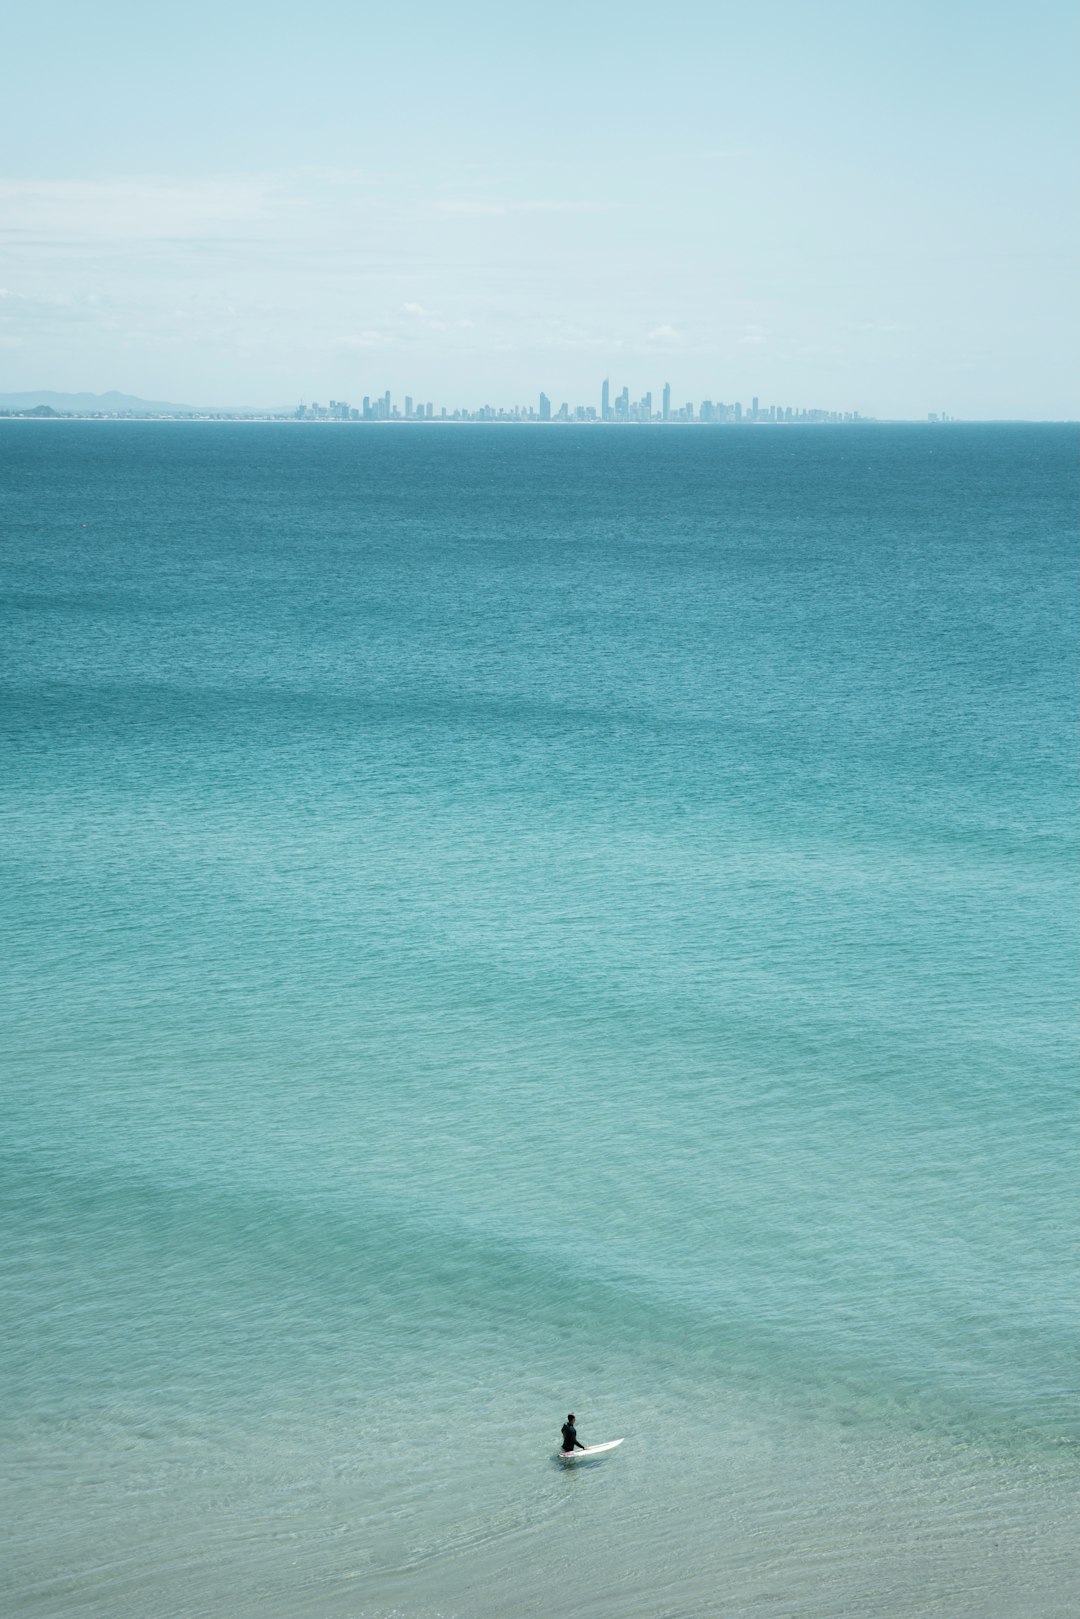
862	206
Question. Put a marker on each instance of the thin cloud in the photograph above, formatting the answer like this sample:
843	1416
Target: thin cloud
26	309
494	208
125	209
190	210
370	339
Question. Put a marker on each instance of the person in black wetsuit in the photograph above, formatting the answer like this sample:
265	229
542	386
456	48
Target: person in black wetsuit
570	1440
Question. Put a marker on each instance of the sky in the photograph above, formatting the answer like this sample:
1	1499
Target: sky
846	204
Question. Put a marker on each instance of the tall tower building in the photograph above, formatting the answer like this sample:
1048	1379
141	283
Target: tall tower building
545	407
605	401
667	402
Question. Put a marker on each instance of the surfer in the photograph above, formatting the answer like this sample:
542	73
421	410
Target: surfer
570	1440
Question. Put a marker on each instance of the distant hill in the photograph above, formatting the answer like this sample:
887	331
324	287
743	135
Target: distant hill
107	404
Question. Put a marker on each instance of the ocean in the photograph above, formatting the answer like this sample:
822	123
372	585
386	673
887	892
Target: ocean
505	921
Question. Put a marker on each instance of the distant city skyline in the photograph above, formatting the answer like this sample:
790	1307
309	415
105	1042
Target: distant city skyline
624	411
44	404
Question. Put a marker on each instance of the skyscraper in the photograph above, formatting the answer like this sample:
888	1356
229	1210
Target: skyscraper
545	407
605	401
667	402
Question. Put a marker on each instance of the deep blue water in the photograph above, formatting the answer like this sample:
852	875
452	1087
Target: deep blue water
499	921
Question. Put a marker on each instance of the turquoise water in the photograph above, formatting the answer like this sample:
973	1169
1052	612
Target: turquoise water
502	922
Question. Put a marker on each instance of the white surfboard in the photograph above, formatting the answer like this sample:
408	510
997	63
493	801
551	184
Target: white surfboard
588	1453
